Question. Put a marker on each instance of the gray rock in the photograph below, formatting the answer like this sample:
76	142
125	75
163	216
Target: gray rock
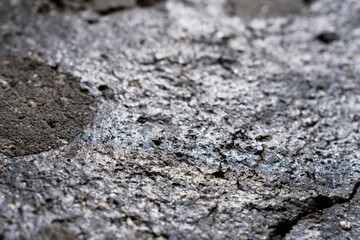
266	8
211	126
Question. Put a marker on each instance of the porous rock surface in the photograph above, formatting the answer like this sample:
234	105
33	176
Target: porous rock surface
210	124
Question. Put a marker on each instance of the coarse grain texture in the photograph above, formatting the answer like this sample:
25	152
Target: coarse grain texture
211	125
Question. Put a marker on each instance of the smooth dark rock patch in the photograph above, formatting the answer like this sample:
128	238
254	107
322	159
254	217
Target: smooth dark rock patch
40	109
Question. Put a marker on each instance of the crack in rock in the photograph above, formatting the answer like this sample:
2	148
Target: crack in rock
102	7
315	205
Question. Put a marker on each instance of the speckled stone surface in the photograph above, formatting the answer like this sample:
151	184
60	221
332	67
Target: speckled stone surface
210	124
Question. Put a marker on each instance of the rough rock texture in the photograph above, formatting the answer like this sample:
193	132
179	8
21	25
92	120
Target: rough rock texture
210	125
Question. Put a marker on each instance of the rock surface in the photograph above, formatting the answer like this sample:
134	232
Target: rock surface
40	109
265	8
210	125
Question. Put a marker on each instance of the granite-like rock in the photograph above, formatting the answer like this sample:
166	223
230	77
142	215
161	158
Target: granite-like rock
210	125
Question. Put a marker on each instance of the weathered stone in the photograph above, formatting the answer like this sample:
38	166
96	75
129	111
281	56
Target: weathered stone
210	126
